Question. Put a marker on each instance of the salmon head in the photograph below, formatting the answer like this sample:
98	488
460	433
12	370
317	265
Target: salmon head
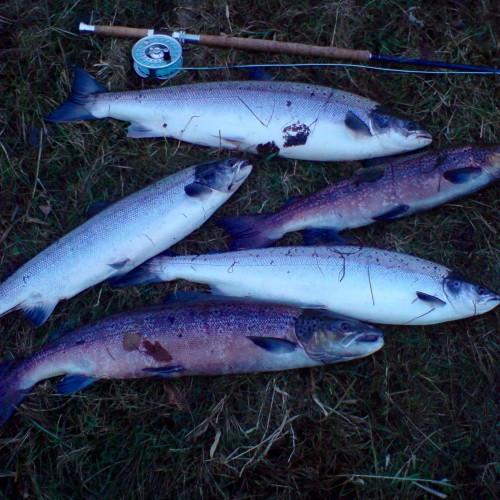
395	132
331	339
225	176
469	297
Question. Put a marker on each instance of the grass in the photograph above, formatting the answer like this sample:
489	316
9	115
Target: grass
416	420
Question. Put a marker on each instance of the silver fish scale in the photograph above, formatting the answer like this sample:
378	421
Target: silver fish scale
335	256
364	283
293	98
114	241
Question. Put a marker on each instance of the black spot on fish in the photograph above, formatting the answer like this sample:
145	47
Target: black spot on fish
165	125
296	134
268	149
440	160
288	104
80	342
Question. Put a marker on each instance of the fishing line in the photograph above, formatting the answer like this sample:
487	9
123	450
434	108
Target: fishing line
341	65
165	63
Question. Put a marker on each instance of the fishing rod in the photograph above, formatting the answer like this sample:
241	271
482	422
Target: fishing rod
144	56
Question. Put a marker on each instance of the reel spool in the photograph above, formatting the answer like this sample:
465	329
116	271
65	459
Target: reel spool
157	55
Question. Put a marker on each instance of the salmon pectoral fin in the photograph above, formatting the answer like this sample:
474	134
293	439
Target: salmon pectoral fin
356	124
274	345
247	231
462	175
197	190
137	131
431	299
141	275
38	312
72	383
165	371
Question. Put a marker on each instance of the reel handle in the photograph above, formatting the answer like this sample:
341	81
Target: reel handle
118	31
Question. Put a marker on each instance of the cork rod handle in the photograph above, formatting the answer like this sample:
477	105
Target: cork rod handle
284	47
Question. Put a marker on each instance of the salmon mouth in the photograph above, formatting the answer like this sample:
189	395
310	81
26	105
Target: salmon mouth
495	298
424	137
368	337
243	169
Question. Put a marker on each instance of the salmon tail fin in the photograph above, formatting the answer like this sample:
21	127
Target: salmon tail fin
248	231
74	108
11	393
149	272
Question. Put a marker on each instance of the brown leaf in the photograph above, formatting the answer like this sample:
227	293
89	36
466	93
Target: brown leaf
175	397
45	209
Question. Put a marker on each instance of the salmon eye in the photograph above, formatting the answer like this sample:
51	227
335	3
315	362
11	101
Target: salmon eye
481	291
345	327
382	120
411	127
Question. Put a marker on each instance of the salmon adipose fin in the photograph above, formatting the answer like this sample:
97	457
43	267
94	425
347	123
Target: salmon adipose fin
11	393
74	108
248	231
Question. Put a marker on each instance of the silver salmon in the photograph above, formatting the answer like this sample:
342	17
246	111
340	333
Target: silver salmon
121	237
368	284
385	193
292	120
200	338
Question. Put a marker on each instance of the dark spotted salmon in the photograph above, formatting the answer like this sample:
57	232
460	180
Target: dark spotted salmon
200	337
386	192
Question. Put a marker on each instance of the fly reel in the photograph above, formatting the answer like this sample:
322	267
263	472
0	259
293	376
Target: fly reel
157	55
